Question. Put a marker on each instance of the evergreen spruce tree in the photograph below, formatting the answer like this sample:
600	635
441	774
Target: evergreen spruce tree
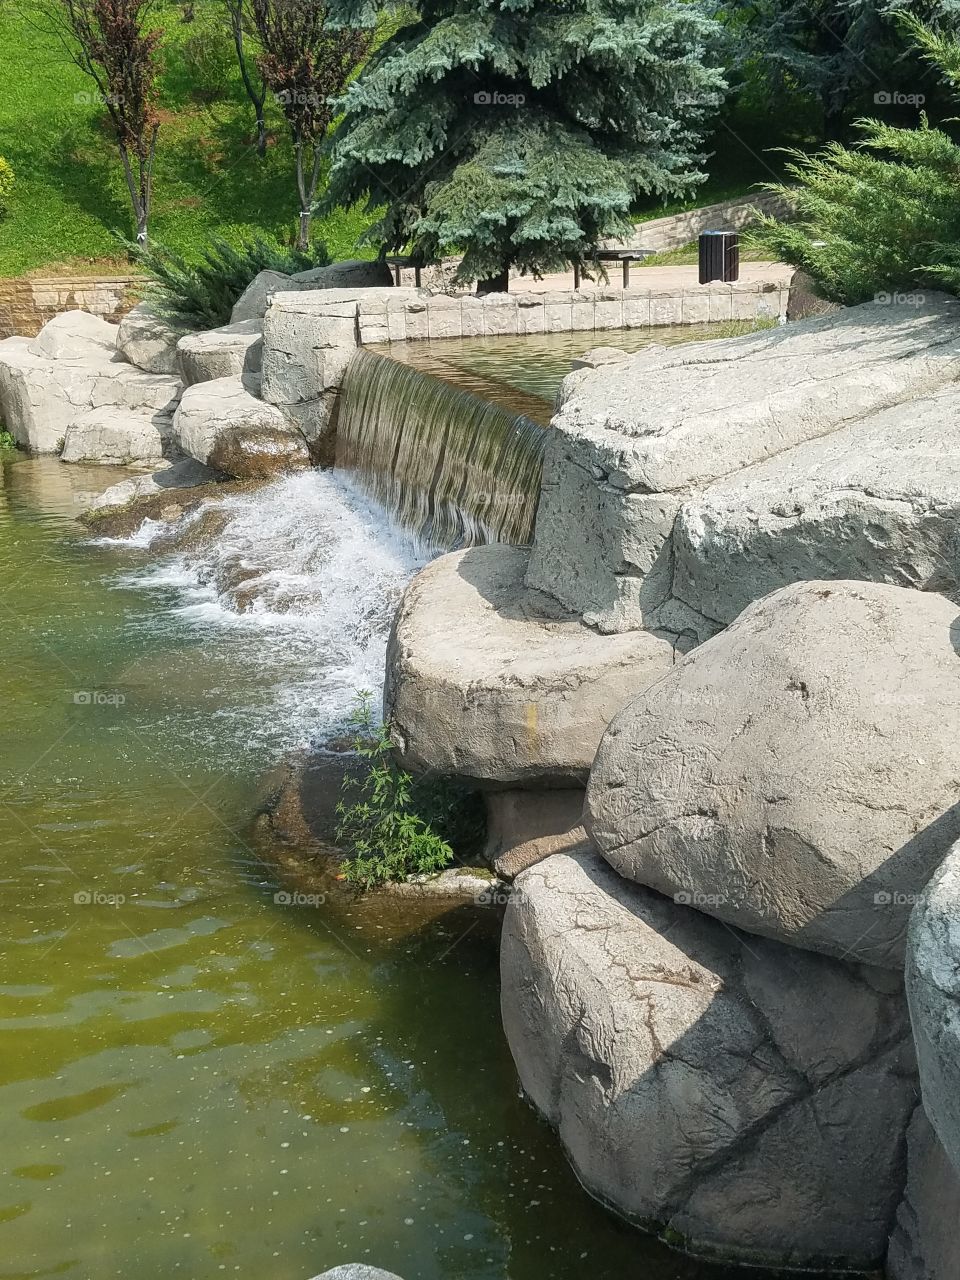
520	132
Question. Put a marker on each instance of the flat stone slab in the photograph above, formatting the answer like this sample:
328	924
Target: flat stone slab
746	1099
636	438
878	500
182	473
933	990
796	775
488	681
217	353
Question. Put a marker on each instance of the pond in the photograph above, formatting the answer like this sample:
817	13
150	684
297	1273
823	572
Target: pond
196	1077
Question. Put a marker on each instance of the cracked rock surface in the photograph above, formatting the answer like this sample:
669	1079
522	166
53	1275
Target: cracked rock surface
748	1097
792	776
933	989
925	1244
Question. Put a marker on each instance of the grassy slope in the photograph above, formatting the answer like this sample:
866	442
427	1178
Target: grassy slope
69	193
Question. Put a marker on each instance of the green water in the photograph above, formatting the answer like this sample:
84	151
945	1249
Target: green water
534	365
196	1080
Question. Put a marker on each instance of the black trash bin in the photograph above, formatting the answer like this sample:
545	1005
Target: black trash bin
719	256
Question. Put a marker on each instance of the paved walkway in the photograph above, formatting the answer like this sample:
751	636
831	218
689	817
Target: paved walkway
669	279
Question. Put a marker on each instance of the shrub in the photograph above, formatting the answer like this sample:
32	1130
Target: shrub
202	294
881	216
380	823
6	185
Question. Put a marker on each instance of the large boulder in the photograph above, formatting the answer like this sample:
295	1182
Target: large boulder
492	682
253	302
352	273
75	335
925	1244
633	440
40	396
878	500
933	989
221	424
217	353
116	437
148	340
746	1099
167	479
793	775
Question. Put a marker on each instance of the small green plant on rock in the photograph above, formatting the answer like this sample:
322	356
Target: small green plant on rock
380	825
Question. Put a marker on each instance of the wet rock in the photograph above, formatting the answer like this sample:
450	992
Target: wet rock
169	506
489	682
596	357
633	440
220	423
356	1271
925	1244
217	353
746	1099
792	775
524	827
183	473
933	989
148	340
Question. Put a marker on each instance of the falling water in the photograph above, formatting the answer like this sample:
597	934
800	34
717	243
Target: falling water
454	469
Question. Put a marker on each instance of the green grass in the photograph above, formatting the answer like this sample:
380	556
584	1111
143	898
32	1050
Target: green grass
69	197
687	255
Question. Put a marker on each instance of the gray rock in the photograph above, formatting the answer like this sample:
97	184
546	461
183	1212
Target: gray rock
747	1098
40	397
253	302
524	827
878	500
76	335
309	339
216	353
804	300
183	473
491	682
925	1244
933	989
631	440
149	341
596	357
352	273
356	1271
116	437
220	423
792	775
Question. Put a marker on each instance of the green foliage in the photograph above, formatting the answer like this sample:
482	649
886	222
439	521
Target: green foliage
379	823
70	197
874	218
6	185
7	442
836	53
520	132
201	294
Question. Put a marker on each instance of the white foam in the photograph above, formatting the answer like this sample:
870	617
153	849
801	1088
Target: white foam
302	582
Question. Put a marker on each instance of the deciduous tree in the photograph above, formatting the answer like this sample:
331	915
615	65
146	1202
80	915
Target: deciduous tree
307	64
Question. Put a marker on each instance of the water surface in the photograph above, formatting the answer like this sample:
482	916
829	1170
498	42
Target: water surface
195	1078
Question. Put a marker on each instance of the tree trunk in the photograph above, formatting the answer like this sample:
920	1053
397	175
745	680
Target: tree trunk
261	132
303	237
495	284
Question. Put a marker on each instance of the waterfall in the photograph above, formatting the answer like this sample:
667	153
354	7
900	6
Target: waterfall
453	468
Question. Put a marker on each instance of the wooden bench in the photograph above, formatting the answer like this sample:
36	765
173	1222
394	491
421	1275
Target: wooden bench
623	256
398	264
